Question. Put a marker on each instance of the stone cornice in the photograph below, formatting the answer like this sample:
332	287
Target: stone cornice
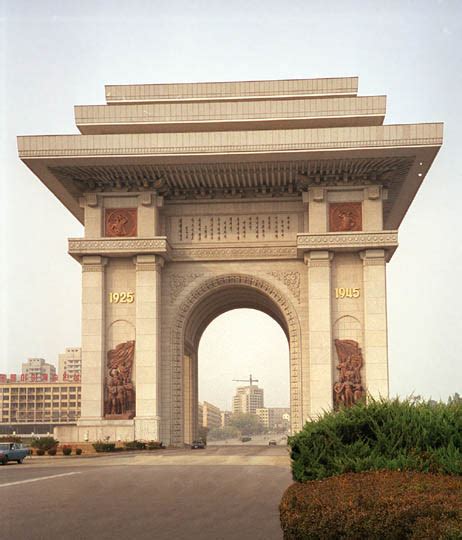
348	241
271	141
118	247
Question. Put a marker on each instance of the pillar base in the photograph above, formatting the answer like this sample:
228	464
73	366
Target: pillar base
147	428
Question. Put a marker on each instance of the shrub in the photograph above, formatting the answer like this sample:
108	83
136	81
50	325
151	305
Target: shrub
154	445
100	446
382	505
67	450
52	452
78	451
379	435
135	445
11	438
40	452
44	443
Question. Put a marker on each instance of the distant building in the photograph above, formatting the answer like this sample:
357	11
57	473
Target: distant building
211	415
273	417
70	363
38	407
248	399
225	418
35	368
200	415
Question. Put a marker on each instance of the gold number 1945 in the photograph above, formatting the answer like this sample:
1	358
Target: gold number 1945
347	292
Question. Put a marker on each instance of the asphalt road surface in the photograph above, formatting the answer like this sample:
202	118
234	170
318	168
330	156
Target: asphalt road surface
213	494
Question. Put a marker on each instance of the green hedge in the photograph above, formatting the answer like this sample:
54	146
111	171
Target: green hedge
378	505
391	435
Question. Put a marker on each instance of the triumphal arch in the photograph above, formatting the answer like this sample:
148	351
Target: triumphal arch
284	196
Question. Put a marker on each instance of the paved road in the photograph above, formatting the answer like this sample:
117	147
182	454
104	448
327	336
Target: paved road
213	494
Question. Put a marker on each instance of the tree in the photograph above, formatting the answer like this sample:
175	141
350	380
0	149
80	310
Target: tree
220	434
246	423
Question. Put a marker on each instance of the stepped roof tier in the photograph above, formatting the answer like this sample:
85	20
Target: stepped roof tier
235	140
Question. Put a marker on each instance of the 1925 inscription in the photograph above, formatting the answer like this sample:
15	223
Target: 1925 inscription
121	297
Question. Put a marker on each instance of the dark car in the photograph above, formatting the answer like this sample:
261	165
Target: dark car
197	444
272	442
246	439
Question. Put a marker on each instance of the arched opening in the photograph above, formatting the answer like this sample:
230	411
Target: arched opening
235	344
205	303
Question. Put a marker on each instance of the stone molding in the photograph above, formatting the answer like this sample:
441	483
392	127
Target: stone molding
349	241
78	247
181	318
237	253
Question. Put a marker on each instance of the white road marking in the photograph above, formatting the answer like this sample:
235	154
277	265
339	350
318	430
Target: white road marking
38	479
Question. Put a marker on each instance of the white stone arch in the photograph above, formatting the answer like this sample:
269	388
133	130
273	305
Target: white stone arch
210	298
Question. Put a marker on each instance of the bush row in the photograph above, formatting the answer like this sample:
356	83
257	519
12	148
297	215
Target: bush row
101	446
386	505
390	435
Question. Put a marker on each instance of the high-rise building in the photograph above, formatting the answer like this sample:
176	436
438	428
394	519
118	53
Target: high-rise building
38	407
70	364
36	368
225	418
248	399
211	415
274	417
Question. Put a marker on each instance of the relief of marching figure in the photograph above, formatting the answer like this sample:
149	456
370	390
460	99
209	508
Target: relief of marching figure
348	389
119	392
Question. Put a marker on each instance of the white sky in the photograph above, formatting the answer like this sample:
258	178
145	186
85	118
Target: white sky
54	55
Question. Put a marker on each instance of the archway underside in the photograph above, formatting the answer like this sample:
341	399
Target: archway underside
245	292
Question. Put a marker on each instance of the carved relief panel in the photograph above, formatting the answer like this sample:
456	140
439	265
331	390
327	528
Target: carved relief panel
119	389
120	222
348	389
345	217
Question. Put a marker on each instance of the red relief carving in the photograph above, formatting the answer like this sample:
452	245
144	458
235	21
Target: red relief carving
345	217
120	222
119	391
349	389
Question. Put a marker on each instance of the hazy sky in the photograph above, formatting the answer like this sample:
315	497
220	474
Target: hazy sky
54	55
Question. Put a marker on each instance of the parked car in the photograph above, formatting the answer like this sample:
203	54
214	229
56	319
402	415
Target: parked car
246	439
272	442
197	444
12	452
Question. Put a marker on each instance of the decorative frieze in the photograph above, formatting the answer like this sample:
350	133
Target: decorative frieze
291	280
112	246
349	241
178	282
234	253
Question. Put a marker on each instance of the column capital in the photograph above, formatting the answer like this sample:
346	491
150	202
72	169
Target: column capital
318	258
148	262
372	257
93	263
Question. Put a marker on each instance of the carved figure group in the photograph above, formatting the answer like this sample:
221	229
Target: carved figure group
348	389
120	392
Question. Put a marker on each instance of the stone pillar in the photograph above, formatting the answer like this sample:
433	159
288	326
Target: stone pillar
93	338
320	374
375	322
147	351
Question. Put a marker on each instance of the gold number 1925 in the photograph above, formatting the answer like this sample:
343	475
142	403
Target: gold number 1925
121	298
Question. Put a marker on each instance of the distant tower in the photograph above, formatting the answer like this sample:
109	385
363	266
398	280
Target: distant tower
248	398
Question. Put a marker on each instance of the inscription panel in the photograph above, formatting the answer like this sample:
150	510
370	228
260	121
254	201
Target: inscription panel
233	228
